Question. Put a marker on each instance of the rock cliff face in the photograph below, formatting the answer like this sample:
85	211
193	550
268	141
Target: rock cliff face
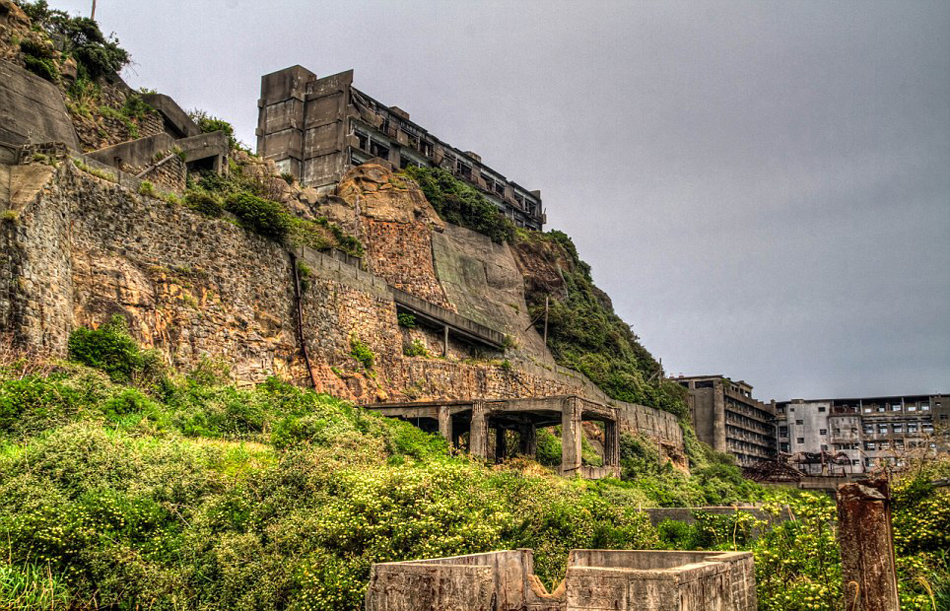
78	250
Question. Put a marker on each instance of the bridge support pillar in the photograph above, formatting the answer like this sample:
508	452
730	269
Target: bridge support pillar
501	444
612	446
571	432
478	436
445	425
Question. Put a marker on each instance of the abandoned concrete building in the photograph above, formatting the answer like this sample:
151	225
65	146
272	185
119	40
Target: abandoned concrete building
317	129
596	580
32	112
854	435
728	418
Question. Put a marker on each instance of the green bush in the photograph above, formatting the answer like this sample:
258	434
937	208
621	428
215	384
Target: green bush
41	67
79	37
461	204
111	349
208	123
415	348
264	217
204	202
361	352
406	320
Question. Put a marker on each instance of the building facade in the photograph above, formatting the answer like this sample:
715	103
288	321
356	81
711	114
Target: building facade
855	435
317	129
728	418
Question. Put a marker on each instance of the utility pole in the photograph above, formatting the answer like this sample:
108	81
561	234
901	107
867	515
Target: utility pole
546	300
93	16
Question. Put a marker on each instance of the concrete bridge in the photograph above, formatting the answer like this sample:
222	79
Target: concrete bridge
481	426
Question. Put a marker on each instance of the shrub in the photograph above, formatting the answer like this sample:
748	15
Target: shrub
264	217
416	348
304	273
406	320
208	123
147	189
361	352
111	349
204	202
79	37
458	202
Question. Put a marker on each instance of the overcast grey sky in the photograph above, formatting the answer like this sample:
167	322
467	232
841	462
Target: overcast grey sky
762	187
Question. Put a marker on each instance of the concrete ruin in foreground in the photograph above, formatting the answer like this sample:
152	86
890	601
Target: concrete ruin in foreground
596	580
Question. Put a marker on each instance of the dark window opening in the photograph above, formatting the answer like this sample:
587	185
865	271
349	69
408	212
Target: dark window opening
363	140
378	150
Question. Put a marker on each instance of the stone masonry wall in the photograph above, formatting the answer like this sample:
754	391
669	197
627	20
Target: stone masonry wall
401	253
35	267
83	250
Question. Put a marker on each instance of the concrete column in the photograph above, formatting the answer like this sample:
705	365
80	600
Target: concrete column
478	436
867	547
445	341
501	444
571	437
528	440
611	444
445	424
719	417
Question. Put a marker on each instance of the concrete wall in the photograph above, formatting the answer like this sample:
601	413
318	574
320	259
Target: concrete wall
32	109
78	250
596	580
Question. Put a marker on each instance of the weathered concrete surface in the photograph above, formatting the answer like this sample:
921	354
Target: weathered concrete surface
482	279
32	109
596	580
867	547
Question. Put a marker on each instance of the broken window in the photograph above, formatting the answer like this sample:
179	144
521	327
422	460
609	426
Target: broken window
882	429
822	431
799	422
377	149
465	170
799	440
821	408
362	139
898	427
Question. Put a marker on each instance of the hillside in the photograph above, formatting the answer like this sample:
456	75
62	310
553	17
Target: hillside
191	344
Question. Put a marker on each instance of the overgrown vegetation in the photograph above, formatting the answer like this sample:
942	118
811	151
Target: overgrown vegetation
78	38
253	201
361	353
459	203
208	123
184	492
585	334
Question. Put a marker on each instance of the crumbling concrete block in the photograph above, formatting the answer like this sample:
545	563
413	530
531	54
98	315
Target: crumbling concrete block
596	580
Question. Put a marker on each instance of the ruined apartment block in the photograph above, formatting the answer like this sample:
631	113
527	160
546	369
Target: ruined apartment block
317	129
854	435
728	418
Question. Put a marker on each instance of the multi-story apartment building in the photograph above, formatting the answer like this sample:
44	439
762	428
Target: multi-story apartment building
853	435
317	129
728	418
